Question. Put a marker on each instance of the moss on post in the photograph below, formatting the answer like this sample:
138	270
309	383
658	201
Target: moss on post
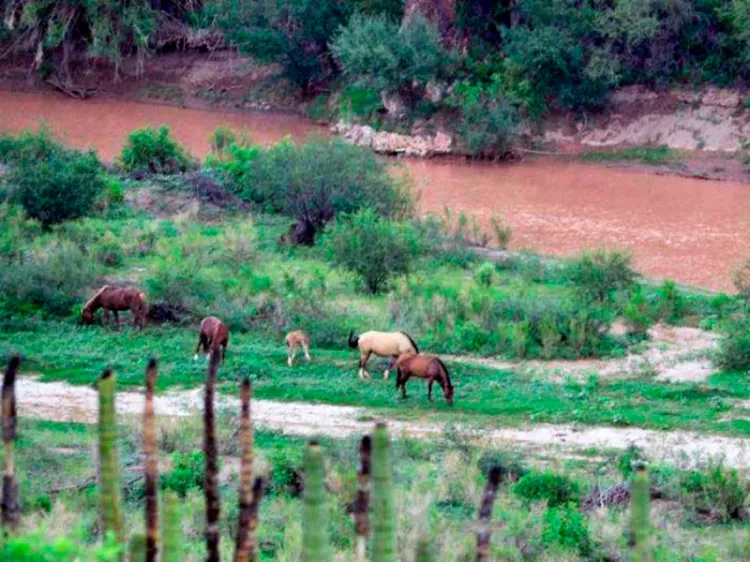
211	483
639	517
384	547
245	547
109	469
362	501
9	505
485	514
171	539
315	546
151	466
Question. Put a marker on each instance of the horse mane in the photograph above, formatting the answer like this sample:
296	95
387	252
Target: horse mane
411	341
353	340
96	296
445	369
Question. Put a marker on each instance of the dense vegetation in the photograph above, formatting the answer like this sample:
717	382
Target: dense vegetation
479	67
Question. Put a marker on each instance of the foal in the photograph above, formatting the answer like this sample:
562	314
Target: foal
296	339
214	335
116	299
426	367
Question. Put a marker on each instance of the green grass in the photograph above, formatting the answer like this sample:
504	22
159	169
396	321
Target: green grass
654	155
59	351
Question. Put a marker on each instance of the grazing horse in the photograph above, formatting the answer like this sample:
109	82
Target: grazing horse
426	367
116	299
296	339
214	335
384	344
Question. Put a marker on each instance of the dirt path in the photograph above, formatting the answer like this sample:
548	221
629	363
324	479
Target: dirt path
64	402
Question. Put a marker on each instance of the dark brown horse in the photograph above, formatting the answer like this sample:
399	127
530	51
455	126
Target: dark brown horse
426	367
117	299
214	335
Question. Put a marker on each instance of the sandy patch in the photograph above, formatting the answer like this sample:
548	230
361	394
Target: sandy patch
64	402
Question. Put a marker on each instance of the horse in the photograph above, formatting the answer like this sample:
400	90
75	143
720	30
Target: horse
424	367
214	335
116	299
296	339
383	344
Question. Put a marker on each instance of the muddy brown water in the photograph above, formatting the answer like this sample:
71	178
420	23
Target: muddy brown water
693	231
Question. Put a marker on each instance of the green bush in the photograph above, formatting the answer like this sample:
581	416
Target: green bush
718	492
39	547
638	314
485	274
153	150
187	473
51	182
488	122
374	248
378	53
52	279
317	180
734	348
555	489
567	527
601	275
672	305
182	282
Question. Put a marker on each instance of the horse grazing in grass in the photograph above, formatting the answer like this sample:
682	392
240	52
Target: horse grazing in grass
117	299
426	367
214	335
296	339
384	344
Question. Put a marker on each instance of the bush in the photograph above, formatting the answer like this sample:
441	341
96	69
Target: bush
317	180
484	275
672	306
380	54
187	473
152	150
741	279
734	349
566	526
503	232
181	282
376	249
555	489
52	279
488	122
600	275
718	492
638	313
51	182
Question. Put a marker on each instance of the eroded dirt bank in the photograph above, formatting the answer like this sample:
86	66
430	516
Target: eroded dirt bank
64	402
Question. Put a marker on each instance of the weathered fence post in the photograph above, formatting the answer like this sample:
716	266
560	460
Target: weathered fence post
211	483
151	466
10	508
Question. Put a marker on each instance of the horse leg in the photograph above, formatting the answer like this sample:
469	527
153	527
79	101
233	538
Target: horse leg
105	317
391	363
291	354
363	358
306	349
429	389
404	378
224	350
117	319
198	347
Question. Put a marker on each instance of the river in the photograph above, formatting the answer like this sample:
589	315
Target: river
693	231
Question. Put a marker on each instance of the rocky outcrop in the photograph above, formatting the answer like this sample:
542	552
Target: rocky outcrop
712	119
395	143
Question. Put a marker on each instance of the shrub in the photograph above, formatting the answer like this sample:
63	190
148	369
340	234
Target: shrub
374	248
741	279
734	349
317	180
187	473
672	304
600	275
52	279
503	232
51	182
555	489
488	122
484	275
153	150
382	55
638	314
109	251
181	282
718	492
566	526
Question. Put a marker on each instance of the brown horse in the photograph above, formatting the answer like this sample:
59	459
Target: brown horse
117	299
426	367
214	335
296	339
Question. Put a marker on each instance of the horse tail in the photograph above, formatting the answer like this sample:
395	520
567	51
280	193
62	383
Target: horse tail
445	370
413	343
353	340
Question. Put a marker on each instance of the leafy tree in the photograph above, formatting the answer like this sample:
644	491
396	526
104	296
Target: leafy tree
374	248
600	275
153	150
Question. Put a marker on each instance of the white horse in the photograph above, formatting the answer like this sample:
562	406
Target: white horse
384	344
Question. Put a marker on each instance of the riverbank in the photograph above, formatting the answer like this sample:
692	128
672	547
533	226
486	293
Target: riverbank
703	130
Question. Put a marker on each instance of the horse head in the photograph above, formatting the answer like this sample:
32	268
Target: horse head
87	316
